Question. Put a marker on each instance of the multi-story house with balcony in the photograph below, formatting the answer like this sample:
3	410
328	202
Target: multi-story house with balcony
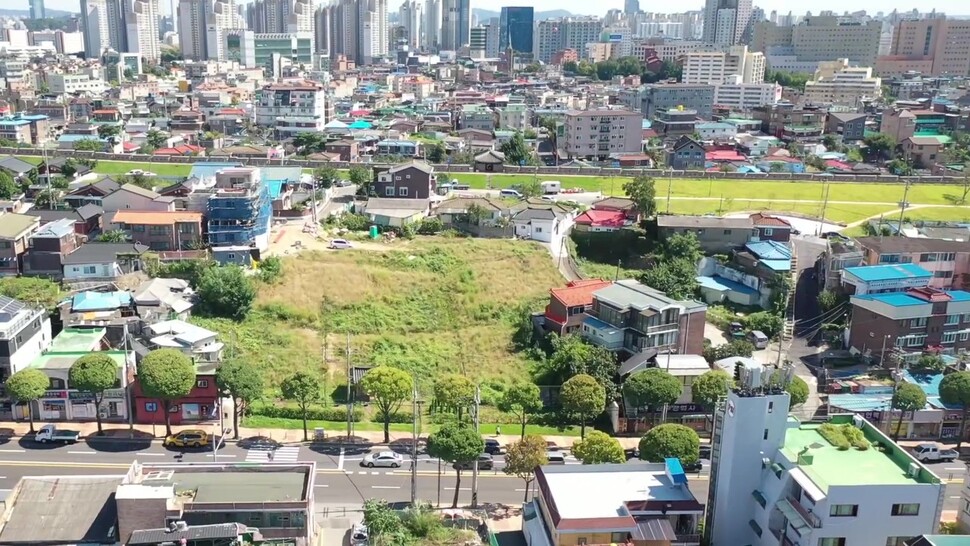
570	305
791	123
910	323
879	279
643	504
948	261
638	321
168	230
291	108
25	332
596	134
15	231
777	481
49	245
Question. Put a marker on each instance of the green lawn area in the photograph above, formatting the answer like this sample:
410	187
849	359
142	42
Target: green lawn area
837	212
336	427
940	214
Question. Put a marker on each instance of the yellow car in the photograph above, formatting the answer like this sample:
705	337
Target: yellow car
188	438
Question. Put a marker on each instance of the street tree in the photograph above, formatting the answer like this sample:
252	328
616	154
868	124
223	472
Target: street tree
94	373
584	397
304	389
521	399
598	448
225	291
458	444
239	379
166	374
26	387
670	440
908	397
653	388
710	387
523	457
454	392
8	188
325	176
388	388
797	389
640	189
573	355
436	153
362	177
955	390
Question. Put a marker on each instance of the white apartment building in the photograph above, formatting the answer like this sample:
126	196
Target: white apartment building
775	480
598	133
141	23
291	108
835	82
25	333
714	67
74	83
514	117
745	96
665	50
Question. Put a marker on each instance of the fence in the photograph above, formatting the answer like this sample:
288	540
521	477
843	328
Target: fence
602	172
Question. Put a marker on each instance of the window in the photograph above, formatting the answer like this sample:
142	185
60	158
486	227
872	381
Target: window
138	228
186	228
768	231
389	191
952	319
916	341
906	509
202	383
949	337
727	231
897	541
618	538
89	270
928	257
755	527
402	192
174	409
966	318
581	541
844	510
943	274
151	407
964	336
833	541
765	435
918	322
771	406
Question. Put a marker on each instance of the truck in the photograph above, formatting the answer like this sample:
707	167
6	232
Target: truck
551	186
50	434
933	453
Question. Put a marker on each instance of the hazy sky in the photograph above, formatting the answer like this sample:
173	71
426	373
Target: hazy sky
953	7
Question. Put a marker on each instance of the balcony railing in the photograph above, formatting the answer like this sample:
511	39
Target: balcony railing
669	327
810	519
686	540
611	345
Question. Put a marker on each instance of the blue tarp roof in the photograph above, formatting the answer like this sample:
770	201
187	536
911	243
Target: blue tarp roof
275	187
675	470
719	283
888	272
360	124
93	301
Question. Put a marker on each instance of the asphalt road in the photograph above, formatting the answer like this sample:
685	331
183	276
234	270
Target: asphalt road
340	479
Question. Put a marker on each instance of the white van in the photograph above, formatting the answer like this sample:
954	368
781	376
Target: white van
510	193
551	186
758	339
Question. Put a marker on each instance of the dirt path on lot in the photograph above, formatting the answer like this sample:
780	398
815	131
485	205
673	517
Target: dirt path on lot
291	239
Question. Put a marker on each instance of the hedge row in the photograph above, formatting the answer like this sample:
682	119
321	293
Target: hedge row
314	414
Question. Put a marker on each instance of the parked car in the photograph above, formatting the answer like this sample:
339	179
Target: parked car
555	457
758	339
383	459
931	452
493	447
510	193
551	446
50	434
339	244
342	183
485	462
259	442
188	438
695	466
359	535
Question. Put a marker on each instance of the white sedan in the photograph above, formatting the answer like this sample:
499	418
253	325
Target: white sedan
384	458
338	244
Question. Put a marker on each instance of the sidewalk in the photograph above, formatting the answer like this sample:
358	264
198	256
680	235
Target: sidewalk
122	431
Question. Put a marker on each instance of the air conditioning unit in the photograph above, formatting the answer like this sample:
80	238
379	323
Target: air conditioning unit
913	470
858	421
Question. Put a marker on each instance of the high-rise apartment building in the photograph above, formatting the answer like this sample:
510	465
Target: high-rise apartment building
817	39
412	19
373	30
835	82
492	38
94	26
593	134
552	35
357	29
141	24
515	28
714	67
432	25
464	28
933	47
292	108
631	6
477	44
321	28
37	9
202	24
449	25
726	20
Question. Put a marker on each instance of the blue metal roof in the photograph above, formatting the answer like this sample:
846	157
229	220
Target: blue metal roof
777	265
675	470
895	299
930	383
769	250
888	272
719	283
93	301
959	295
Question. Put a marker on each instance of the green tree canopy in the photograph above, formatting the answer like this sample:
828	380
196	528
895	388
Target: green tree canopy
930	364
156	139
523	457
879	146
640	189
225	292
955	390
113	236
573	355
584	397
88	145
521	399
908	397
304	389
675	277
454	392
738	347
388	388
670	440
456	443
435	152
308	143
8	188
798	391
363	178
32	291
239	379
94	373
326	176
166	374
26	387
597	448
516	151
652	388
710	387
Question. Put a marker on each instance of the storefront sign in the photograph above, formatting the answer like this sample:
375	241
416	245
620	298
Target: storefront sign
114	393
55	394
685	408
81	396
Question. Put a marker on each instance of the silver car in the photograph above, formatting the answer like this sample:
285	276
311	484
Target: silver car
384	458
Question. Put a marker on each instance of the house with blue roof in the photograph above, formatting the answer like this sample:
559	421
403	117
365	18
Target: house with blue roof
876	279
902	326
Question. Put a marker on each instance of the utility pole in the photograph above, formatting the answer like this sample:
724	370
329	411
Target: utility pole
350	394
902	209
670	183
478	397
414	441
825	205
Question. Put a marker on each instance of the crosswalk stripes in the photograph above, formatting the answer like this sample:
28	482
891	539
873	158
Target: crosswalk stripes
287	454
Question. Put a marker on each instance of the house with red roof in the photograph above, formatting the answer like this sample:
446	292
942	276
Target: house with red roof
599	221
724	156
771	228
181	150
568	306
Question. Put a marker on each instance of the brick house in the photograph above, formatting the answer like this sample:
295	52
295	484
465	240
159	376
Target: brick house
93	193
412	180
949	261
715	235
15	230
199	405
169	230
349	150
771	228
48	246
568	306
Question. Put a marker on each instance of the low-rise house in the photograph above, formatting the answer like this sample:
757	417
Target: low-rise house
111	310
686	154
412	180
719	283
686	368
456	210
349	150
849	125
840	253
233	255
715	235
490	161
199	344
59	166
771	228
48	246
132	197
541	221
162	230
570	305
86	218
949	261
600	221
406	148
396	212
16	168
61	402
641	504
924	152
201	404
619	204
161	298
25	332
877	279
15	232
92	193
102	261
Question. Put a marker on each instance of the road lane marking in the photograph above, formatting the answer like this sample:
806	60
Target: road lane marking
83	452
321	485
12	450
955	468
153	455
460	488
385	487
340	460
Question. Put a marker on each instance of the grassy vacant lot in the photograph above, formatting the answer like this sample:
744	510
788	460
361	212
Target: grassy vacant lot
432	305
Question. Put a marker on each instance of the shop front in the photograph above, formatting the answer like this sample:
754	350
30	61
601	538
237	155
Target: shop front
72	405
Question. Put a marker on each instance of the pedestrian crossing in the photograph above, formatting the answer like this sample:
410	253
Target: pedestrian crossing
286	454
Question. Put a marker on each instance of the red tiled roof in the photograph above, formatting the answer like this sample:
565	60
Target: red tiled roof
604	218
649	133
129	146
578	292
760	219
231	112
105	111
183	149
724	155
836	164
